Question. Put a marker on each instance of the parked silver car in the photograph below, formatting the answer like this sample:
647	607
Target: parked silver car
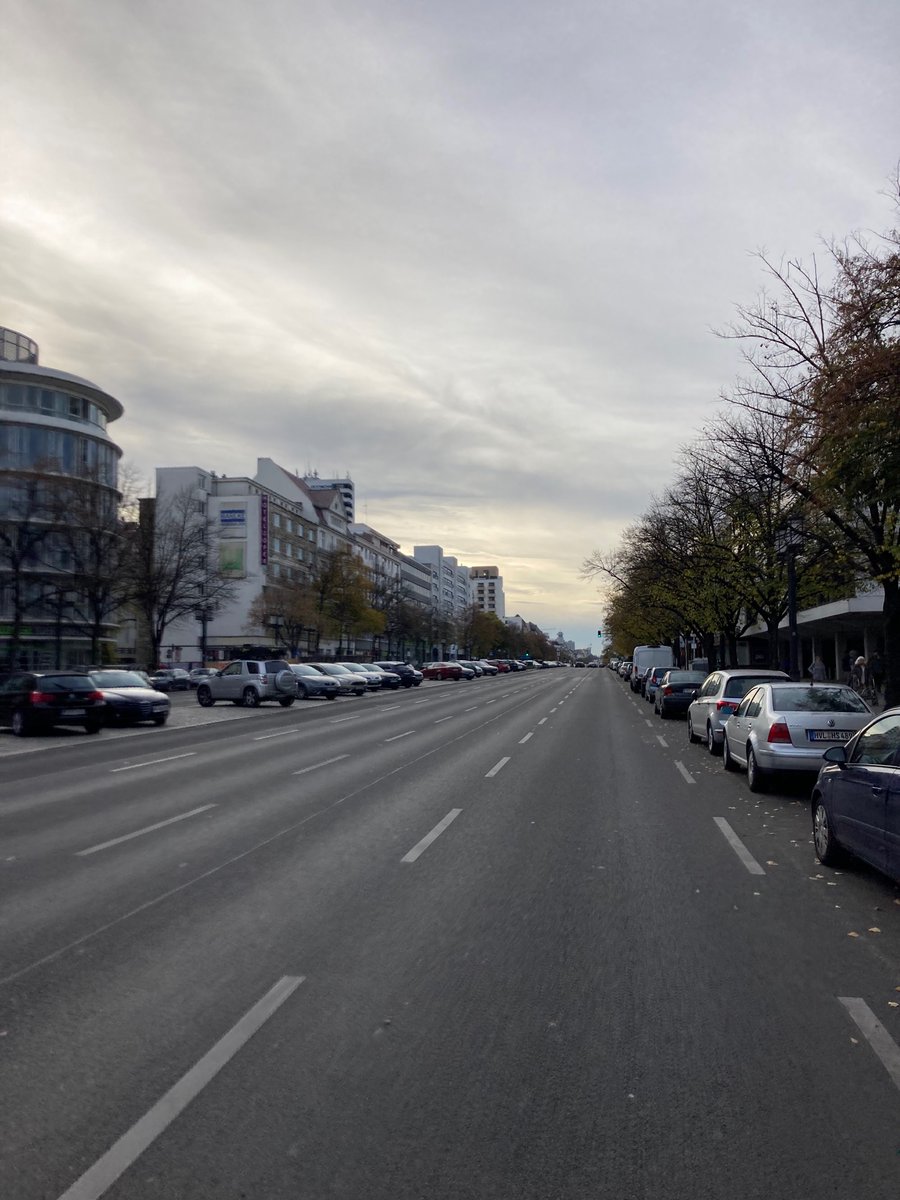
312	683
250	682
718	697
789	726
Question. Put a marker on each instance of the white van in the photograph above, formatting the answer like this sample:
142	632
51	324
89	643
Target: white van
649	656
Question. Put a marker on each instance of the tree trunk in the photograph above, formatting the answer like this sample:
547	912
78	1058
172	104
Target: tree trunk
891	613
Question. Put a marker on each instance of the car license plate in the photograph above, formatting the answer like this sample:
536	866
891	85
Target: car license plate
829	735
72	712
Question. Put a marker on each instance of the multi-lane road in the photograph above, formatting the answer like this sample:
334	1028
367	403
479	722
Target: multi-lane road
512	938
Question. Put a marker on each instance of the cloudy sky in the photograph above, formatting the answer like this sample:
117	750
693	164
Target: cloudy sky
470	253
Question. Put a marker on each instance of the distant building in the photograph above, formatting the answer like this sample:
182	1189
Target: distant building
52	437
343	486
486	590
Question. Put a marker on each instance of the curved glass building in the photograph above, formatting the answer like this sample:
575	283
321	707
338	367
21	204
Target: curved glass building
55	451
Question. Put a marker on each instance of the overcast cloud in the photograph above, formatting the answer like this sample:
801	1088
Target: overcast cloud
470	253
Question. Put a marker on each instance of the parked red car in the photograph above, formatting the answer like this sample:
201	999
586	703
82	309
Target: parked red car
442	670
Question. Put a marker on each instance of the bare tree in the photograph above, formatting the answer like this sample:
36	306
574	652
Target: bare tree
172	565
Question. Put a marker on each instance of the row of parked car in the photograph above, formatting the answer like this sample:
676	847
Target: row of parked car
34	702
762	722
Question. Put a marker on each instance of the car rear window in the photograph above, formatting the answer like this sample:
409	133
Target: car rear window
816	700
274	665
740	685
685	677
65	683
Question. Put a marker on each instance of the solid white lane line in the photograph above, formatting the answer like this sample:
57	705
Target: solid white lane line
498	766
281	732
315	766
152	762
426	841
138	832
441	719
875	1034
131	1145
542	720
523	740
685	773
340	720
738	847
397	736
662	741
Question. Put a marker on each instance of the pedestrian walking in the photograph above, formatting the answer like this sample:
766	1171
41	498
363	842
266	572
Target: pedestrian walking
817	671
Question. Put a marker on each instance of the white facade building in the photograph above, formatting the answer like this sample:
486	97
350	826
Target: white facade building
486	590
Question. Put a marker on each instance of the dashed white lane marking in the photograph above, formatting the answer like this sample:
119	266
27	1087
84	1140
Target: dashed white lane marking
553	710
126	837
341	720
523	740
684	772
390	707
542	720
397	736
152	762
281	732
494	701
440	720
315	766
738	847
131	1145
875	1034
426	841
497	767
472	709
648	722
662	741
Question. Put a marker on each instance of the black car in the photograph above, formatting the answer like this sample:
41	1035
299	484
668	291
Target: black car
129	699
676	691
409	676
856	800
35	701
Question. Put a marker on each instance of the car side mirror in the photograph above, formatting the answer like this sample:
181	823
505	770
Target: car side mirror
836	754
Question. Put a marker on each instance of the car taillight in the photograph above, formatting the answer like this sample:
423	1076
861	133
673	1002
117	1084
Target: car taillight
667	690
97	697
42	697
264	679
729	706
779	732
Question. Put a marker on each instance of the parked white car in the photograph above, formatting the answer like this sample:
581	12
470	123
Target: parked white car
719	696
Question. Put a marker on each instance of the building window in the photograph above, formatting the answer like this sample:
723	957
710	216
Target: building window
276	520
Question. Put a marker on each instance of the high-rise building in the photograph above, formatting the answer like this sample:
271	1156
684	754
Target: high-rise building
486	589
58	488
344	486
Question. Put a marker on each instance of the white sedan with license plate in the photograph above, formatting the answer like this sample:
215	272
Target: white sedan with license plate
789	726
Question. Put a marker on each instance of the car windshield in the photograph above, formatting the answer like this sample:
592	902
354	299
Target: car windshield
740	685
117	679
816	700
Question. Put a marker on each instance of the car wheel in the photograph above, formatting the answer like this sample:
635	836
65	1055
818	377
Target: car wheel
756	777
711	744
204	696
727	761
302	691
93	726
286	701
331	695
692	737
829	852
21	726
161	720
662	710
250	698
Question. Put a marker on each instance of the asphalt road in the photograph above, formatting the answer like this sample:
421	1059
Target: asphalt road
512	938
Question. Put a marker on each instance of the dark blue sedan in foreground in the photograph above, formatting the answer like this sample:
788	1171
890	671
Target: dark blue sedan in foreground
856	799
